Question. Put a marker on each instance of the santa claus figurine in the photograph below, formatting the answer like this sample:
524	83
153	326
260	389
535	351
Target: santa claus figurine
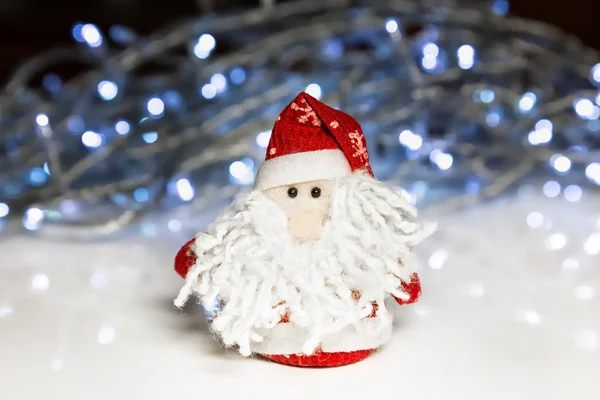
302	264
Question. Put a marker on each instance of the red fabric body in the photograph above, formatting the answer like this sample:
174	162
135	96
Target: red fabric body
185	259
321	359
307	124
413	289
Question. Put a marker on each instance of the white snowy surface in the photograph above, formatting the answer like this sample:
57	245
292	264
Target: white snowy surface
510	310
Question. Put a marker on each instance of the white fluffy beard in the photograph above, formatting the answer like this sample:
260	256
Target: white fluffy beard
248	261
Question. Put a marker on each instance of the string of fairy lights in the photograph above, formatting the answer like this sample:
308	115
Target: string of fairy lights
459	103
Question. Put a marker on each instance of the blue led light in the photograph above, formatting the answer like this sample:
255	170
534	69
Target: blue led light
141	195
487	96
333	49
500	7
77	33
75	124
52	83
237	76
150	137
492	119
37	176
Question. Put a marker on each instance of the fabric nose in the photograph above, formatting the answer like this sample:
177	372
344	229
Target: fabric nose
306	226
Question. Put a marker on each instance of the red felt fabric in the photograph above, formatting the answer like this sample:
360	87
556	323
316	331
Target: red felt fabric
185	259
321	359
413	289
307	124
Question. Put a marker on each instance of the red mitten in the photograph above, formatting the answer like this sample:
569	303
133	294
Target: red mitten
185	259
413	289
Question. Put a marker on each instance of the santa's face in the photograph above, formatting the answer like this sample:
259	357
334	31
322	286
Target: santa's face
306	206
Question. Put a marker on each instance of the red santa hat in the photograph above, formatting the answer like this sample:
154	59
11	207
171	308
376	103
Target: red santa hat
312	141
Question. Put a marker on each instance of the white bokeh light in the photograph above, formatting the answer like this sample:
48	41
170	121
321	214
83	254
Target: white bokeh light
174	225
106	335
535	219
391	26
184	189
314	90
466	56
527	102
263	138
242	171
556	241
91	139
570	264
4	210
431	50
476	290
411	140
122	127
429	62
573	193
42	120
91	34
156	106
591	245
529	316
544	124
206	43
584	108
551	189
40	282
592	172
209	91
596	73
33	219
540	136
438	259
6	311
443	160
219	82
560	163
108	90
585	292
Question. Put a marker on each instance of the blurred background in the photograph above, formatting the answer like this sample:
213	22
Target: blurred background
30	26
127	125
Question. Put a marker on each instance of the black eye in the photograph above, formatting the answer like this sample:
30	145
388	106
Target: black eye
315	192
292	192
